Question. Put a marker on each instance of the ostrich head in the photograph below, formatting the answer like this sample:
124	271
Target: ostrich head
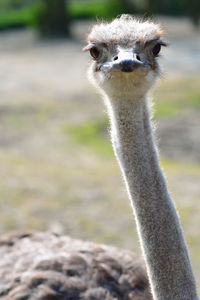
124	55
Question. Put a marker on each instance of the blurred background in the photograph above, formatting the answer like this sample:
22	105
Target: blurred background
57	167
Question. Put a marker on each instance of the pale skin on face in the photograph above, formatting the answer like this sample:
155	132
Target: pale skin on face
106	70
125	39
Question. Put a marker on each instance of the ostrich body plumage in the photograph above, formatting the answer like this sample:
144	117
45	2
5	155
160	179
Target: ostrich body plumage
47	266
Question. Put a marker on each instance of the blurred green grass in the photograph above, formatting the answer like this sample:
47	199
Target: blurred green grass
91	134
95	9
176	96
30	15
14	18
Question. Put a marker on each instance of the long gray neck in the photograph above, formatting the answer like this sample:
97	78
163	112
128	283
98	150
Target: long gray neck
163	245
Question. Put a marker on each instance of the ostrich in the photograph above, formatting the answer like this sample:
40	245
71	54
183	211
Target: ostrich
125	67
46	266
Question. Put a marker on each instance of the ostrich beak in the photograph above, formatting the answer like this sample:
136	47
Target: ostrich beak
126	61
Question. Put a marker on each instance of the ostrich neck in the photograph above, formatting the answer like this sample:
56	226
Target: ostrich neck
160	233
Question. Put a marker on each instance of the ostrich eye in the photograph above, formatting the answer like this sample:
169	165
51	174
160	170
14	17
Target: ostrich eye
156	49
95	52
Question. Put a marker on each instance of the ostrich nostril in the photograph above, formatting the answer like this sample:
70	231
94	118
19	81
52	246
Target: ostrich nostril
115	58
138	58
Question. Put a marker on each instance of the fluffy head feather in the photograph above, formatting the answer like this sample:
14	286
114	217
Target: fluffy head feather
125	31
